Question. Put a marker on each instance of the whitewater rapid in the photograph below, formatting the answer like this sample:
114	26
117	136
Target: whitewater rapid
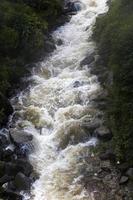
56	107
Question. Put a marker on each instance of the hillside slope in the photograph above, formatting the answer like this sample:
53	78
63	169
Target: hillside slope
114	36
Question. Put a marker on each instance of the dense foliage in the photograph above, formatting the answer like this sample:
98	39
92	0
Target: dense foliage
114	35
24	26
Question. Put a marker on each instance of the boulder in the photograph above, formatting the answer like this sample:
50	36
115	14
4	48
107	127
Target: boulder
73	7
88	60
123	167
77	84
49	46
11	195
1	153
12	169
22	182
103	133
19	137
129	173
123	180
4	141
4	179
59	42
26	167
2	168
7	154
108	155
91	126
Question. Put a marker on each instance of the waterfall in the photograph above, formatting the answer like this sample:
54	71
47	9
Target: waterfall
57	106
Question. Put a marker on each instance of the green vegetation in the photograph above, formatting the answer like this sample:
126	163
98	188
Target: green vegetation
114	36
24	26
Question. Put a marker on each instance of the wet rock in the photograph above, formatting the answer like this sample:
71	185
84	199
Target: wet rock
11	195
7	154
108	155
1	153
123	180
2	168
103	133
49	46
25	166
92	126
72	7
22	182
20	137
59	42
123	167
5	179
4	141
87	60
129	173
11	169
76	84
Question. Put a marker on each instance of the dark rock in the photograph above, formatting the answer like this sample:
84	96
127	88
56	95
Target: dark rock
88	60
19	165
108	155
22	182
4	141
91	126
6	109
49	46
59	42
20	137
123	167
76	84
123	180
2	168
7	154
11	195
73	7
11	185
25	166
103	133
5	179
12	169
1	153
129	173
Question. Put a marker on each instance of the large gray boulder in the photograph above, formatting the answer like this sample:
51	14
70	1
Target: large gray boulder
20	137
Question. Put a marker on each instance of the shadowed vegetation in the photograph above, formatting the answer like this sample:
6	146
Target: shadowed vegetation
24	26
114	36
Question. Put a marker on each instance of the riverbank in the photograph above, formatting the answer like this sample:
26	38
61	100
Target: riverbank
16	173
24	39
113	35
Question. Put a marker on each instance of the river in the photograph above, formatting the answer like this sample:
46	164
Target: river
56	107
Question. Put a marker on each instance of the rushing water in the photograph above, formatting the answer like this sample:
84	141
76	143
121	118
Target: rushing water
56	107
